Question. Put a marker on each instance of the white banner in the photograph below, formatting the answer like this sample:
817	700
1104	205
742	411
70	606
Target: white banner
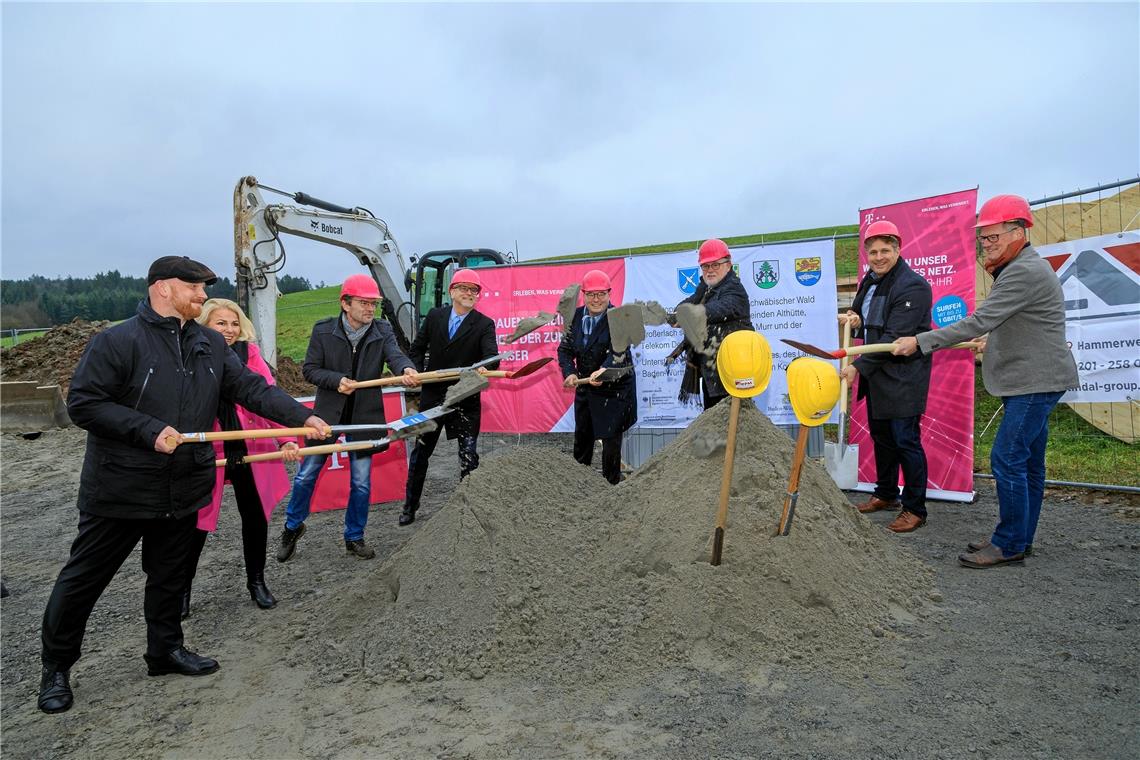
1100	277
791	288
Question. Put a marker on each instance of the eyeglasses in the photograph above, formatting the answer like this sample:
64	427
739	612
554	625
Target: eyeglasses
366	304
596	294
991	239
714	265
469	290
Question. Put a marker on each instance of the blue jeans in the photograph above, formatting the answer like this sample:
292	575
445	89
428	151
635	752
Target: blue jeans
1018	464
355	515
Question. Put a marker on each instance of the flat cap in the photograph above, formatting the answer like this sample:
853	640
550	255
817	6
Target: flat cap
182	268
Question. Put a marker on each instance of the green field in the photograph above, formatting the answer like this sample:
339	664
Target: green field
296	314
8	341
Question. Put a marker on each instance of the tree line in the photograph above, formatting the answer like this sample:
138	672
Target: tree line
42	302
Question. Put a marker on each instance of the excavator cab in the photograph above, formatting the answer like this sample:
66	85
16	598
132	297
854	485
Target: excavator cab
430	279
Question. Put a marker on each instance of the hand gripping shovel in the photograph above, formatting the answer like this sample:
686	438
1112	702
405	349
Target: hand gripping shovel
608	375
436	376
868	348
245	435
405	427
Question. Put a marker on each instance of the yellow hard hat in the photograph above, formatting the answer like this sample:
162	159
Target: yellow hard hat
813	389
744	363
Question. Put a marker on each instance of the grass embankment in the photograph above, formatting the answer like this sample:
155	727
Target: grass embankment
8	341
846	250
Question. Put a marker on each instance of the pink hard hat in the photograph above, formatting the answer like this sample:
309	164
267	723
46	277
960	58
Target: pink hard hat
465	277
881	228
360	286
712	250
594	280
1004	208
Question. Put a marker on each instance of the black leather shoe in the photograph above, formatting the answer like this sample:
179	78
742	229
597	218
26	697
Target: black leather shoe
55	691
289	540
182	662
359	549
260	593
185	604
407	517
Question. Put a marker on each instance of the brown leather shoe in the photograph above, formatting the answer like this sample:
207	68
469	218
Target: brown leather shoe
875	504
989	556
978	545
906	522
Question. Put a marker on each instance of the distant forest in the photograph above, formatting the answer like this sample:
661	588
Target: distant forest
42	302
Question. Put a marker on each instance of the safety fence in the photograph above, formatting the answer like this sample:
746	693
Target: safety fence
1090	444
14	335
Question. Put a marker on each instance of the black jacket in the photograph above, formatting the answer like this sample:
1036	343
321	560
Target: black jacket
331	357
900	306
138	377
612	407
474	341
726	311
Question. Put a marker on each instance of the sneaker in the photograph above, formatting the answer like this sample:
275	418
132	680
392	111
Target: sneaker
359	548
289	540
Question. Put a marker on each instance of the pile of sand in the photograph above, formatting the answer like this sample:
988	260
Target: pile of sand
51	358
538	567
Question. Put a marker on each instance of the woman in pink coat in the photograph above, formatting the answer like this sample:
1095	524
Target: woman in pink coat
257	487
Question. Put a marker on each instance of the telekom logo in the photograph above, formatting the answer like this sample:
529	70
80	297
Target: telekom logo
335	459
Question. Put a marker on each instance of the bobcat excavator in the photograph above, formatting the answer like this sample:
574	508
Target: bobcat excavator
259	254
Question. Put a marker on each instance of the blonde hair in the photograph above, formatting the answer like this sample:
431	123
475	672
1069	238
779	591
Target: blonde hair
247	332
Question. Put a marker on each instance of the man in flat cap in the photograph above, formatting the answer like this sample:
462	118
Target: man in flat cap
137	384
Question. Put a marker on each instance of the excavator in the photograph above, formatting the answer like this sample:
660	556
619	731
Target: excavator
409	292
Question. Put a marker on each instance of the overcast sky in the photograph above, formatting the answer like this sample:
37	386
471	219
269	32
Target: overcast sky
566	128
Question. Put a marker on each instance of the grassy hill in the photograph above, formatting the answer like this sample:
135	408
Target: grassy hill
296	313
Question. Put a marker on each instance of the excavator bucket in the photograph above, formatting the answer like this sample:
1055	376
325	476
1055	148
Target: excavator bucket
28	407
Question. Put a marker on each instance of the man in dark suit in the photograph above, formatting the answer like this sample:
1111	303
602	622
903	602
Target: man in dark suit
893	301
601	410
451	336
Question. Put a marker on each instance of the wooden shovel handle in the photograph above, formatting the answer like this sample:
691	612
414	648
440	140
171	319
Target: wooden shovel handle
886	348
725	482
329	448
846	346
243	435
793	493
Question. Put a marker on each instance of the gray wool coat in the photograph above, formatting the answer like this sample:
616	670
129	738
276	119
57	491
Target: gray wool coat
1026	351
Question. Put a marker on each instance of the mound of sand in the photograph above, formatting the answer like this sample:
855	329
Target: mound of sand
538	567
50	358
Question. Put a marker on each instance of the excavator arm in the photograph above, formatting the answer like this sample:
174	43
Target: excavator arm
259	254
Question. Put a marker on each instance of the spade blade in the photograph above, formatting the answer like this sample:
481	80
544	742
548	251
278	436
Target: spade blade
808	348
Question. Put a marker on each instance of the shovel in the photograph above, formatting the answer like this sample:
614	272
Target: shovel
841	460
793	494
726	481
244	435
435	376
868	348
609	375
405	427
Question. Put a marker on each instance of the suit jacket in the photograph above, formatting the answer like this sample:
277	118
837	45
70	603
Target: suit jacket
900	306
330	357
612	406
726	310
473	342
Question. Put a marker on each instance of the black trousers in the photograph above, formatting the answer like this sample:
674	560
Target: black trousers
100	548
898	445
584	446
418	466
254	528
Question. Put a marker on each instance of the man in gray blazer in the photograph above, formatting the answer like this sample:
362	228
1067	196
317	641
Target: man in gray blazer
1027	364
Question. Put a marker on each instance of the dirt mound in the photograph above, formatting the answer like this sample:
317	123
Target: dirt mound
50	358
291	380
538	567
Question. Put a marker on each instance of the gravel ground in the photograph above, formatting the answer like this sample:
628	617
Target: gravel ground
1036	661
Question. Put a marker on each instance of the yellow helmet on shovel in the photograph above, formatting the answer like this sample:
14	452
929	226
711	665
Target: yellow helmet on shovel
744	363
813	389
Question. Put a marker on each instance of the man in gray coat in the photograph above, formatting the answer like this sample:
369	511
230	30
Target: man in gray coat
1027	364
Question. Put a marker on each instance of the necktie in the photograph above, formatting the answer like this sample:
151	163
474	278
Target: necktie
453	325
587	327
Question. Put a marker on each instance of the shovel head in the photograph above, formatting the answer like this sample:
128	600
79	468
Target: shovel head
842	463
809	349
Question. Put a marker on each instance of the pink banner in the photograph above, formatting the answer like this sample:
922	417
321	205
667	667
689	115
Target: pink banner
389	469
938	243
537	403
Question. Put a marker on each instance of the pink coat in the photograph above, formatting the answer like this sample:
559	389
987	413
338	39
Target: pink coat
270	477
